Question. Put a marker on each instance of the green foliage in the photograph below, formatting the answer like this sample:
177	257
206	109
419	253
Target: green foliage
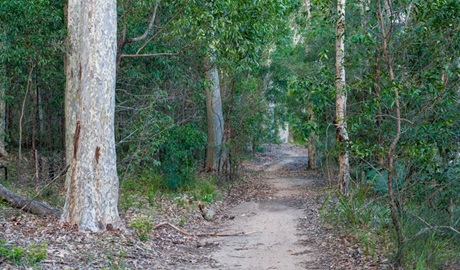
361	217
142	227
31	255
13	254
204	190
147	183
32	37
179	154
433	241
35	253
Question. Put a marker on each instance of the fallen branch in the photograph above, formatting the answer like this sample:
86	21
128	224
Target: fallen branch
214	234
172	226
34	207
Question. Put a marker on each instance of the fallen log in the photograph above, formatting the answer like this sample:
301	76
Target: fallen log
29	205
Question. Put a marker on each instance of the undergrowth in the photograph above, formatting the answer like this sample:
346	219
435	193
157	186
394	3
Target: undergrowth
149	184
30	256
431	237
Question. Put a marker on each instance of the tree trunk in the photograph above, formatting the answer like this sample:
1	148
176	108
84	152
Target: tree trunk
29	205
3	86
341	101
92	180
214	116
311	142
391	150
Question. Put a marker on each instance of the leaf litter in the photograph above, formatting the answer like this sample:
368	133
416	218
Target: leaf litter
177	241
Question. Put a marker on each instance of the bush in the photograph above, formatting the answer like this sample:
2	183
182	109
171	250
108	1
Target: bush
32	255
180	153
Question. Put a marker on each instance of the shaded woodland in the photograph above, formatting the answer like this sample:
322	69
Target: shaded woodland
187	90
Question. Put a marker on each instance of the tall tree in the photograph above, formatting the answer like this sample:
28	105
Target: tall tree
311	114
214	115
91	181
341	100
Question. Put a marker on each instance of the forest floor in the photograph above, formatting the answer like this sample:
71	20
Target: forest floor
269	219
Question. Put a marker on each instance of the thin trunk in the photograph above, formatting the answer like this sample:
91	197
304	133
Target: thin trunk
3	87
311	142
307	7
311	148
341	102
391	151
379	117
214	116
34	113
92	180
29	85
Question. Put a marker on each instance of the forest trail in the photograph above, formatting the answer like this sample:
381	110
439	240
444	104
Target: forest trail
281	226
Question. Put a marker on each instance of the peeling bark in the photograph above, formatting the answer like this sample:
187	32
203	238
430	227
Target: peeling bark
92	181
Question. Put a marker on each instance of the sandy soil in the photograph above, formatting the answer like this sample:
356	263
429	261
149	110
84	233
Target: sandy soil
281	227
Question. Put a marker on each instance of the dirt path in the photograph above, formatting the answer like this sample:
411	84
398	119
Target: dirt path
281	227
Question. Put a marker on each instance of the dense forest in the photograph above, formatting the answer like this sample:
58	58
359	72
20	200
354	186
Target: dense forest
104	101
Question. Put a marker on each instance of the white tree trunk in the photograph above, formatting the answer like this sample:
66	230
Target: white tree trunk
73	71
92	181
341	101
214	115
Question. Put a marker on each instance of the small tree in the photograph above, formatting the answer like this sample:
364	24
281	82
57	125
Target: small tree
341	101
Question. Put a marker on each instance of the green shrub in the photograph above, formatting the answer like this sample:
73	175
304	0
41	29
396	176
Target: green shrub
179	155
36	253
142	226
18	255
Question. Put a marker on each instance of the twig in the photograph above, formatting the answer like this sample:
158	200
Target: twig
53	262
148	29
172	226
179	52
215	234
159	31
47	185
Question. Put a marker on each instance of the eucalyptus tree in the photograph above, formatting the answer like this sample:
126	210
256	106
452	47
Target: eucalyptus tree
232	36
341	101
92	180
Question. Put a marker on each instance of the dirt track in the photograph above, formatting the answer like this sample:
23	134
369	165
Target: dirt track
282	227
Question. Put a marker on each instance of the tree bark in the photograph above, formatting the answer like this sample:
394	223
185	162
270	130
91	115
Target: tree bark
29	205
341	102
214	116
92	180
3	86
